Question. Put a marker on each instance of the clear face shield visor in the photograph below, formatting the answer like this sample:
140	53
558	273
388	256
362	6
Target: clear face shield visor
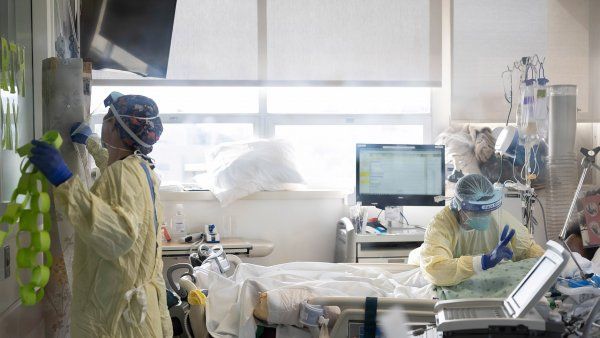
480	214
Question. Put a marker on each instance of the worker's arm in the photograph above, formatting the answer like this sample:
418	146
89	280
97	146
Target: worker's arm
522	244
106	220
437	262
98	152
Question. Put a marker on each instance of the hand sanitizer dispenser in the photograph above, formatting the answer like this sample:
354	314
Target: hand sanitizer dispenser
179	228
211	234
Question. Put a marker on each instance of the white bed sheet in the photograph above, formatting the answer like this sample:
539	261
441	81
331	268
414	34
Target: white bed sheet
231	301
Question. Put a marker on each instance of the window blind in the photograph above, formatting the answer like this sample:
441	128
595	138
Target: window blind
309	42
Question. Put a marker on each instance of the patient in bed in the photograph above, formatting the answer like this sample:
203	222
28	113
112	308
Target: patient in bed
471	235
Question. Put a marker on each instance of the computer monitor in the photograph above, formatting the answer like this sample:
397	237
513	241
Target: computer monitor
399	174
133	35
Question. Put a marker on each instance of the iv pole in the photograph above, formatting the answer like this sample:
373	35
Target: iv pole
589	161
525	65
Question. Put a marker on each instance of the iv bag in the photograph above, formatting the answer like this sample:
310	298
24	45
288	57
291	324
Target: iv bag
541	108
526	121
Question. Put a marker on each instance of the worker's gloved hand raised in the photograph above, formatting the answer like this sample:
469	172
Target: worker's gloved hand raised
80	132
501	251
48	160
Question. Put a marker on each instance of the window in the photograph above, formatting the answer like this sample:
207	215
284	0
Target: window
322	74
326	154
322	123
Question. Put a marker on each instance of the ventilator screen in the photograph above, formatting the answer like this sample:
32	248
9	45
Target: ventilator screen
534	282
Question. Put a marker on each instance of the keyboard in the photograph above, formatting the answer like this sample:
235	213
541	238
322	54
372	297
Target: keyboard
469	313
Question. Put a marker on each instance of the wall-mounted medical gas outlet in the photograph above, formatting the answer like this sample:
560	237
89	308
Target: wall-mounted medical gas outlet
4	262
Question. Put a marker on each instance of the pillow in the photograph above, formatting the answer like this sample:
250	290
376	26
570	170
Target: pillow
239	169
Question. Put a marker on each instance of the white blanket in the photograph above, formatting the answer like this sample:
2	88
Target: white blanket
231	301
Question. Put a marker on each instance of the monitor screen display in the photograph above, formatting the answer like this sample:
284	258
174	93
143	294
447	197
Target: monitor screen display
400	174
527	290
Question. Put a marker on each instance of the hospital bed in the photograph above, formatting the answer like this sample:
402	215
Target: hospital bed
289	302
419	312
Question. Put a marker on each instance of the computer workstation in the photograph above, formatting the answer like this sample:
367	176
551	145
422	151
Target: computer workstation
390	177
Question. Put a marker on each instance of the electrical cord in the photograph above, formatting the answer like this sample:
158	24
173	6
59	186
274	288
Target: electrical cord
543	216
401	213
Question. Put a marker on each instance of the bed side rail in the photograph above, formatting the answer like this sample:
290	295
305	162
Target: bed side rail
414	318
382	303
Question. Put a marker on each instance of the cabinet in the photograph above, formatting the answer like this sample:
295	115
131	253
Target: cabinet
393	247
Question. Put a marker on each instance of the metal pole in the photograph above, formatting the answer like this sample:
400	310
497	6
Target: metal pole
574	202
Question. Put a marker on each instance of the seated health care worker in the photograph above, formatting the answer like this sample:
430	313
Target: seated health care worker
118	287
471	235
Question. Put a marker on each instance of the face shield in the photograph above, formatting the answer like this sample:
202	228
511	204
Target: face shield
477	202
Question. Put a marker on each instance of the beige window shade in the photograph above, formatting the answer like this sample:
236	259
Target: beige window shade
308	42
354	40
214	40
488	35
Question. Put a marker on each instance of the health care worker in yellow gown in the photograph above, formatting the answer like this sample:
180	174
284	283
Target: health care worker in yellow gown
118	288
471	235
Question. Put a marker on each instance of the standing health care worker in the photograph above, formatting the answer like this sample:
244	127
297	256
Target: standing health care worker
118	288
471	235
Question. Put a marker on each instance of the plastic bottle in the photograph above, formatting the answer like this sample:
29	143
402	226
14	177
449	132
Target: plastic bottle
179	227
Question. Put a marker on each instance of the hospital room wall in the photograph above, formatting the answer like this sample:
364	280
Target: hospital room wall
17	320
300	224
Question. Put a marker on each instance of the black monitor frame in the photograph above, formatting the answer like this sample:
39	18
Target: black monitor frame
142	29
381	201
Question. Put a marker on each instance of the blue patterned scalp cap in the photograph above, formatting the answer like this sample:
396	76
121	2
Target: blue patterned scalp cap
139	125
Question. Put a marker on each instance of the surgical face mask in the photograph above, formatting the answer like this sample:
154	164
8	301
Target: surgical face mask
480	223
105	144
477	221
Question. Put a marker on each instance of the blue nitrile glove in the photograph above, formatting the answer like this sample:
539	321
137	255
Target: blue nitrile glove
49	161
577	283
80	132
500	252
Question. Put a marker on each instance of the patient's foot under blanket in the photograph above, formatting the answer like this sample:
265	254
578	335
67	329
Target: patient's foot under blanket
497	282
